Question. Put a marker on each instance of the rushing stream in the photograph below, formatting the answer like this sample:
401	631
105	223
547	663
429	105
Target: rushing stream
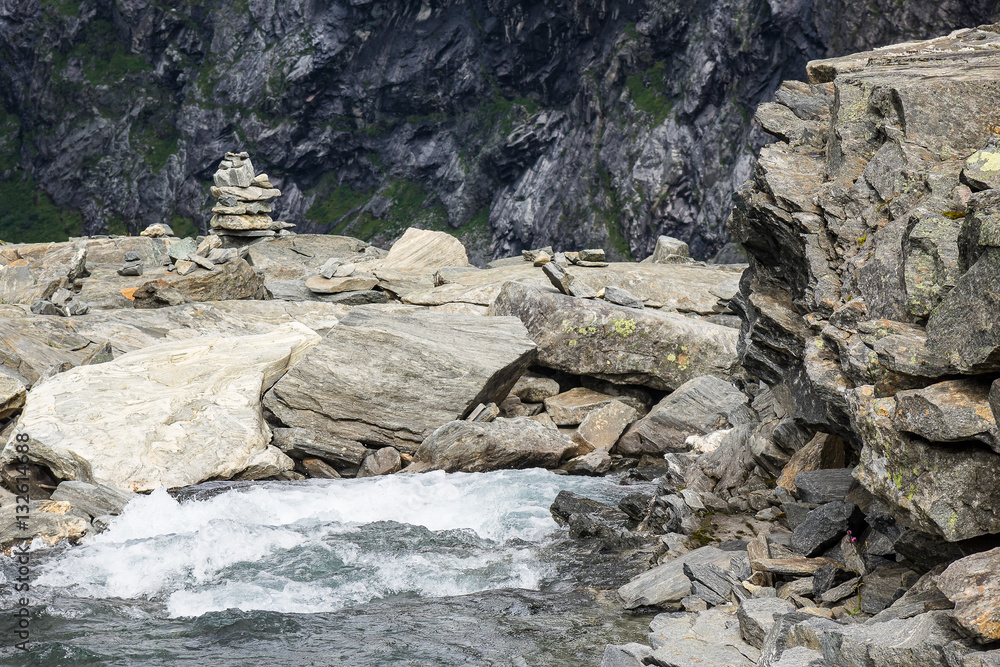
429	569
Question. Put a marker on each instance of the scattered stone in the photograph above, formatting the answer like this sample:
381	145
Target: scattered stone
667	247
222	255
157	230
709	582
532	255
93	499
203	262
622	297
587	518
542	259
567	282
43	307
596	462
384	461
183	249
319	469
699	406
601	428
626	655
533	388
591	255
12	395
667	582
884	586
462	446
184	267
484	413
822	452
301	443
321	285
757	617
824	486
824	526
572	407
131	269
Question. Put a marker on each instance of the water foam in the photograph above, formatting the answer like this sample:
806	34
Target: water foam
321	545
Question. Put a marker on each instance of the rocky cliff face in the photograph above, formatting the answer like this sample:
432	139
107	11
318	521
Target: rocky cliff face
511	124
872	294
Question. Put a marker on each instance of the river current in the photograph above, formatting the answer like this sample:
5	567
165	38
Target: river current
431	569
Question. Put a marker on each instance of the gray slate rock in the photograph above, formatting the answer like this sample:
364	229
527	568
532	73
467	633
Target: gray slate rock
593	337
824	526
700	405
973	584
667	582
757	616
800	656
707	639
667	246
622	297
423	369
94	499
588	518
464	446
384	461
899	643
823	486
625	655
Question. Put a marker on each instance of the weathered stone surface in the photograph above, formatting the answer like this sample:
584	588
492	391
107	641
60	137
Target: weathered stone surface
231	281
319	469
568	282
886	584
627	346
463	446
699	406
156	230
622	297
300	442
709	639
12	395
596	462
899	643
800	656
973	584
321	285
422	370
94	499
667	246
51	521
667	582
824	526
384	461
625	655
601	428
953	411
587	518
822	452
533	388
169	415
824	486
757	615
572	407
422	250
945	490
962	330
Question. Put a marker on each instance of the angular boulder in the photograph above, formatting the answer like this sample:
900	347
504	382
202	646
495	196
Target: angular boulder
623	345
423	250
973	585
463	446
699	406
169	415
667	582
388	379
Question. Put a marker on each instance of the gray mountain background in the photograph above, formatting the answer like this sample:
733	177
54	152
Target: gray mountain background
509	124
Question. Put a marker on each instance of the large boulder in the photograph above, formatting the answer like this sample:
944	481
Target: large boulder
667	582
973	585
169	415
388	379
624	345
423	251
699	406
464	446
709	639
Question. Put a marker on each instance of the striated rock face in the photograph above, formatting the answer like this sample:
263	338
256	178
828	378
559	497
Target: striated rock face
873	281
514	124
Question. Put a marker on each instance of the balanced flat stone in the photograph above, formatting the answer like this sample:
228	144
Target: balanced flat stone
389	379
423	250
321	285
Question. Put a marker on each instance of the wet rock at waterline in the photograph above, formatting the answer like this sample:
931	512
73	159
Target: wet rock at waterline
422	370
463	446
624	345
166	416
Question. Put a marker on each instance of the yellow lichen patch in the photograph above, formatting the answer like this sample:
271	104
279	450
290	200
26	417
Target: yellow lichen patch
18	262
129	292
624	327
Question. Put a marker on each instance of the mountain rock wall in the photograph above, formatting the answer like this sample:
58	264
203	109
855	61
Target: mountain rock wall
510	124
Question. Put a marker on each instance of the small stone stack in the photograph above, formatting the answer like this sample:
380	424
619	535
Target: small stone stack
243	200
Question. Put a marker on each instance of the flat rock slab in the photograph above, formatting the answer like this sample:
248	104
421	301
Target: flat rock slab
757	617
602	427
170	415
463	446
952	411
824	486
667	582
572	407
51	521
94	499
390	378
321	285
697	407
532	388
623	345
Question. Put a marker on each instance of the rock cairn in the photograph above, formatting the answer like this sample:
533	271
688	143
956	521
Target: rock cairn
243	200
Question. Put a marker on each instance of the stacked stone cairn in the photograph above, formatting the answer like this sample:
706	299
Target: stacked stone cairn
243	200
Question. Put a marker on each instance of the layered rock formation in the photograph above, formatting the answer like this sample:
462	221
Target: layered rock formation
513	124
